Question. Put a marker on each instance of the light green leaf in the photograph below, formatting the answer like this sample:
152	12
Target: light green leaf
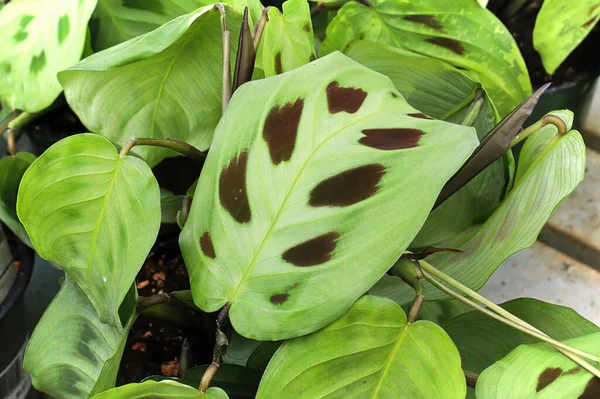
260	358
482	341
93	213
166	83
460	32
239	349
277	216
443	92
541	372
11	173
548	171
116	21
237	381
560	27
71	353
170	205
288	41
442	311
369	352
39	39
166	389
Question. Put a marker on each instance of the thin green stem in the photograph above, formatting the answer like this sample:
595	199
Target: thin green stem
14	127
226	53
564	349
173	144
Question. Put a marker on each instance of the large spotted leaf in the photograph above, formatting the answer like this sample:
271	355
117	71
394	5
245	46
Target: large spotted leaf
94	213
460	32
288	41
540	372
370	352
39	39
560	26
166	83
71	353
443	92
12	169
550	167
116	21
300	211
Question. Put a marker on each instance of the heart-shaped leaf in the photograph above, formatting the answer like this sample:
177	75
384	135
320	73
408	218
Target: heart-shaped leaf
71	353
549	169
166	389
39	39
441	91
299	213
459	32
541	372
12	169
482	341
116	21
288	41
560	27
93	213
369	352
166	83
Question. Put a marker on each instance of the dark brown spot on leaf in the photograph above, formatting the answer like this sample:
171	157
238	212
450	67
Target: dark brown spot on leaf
312	252
280	130
307	27
348	187
547	377
391	139
450	44
279	299
347	99
590	22
278	67
206	245
232	188
394	95
592	389
428	20
419	115
572	371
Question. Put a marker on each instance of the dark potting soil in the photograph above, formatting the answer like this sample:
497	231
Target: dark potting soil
153	345
582	63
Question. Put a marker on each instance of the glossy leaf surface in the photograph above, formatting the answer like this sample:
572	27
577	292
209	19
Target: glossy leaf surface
94	214
71	353
11	173
461	33
277	215
116	21
166	83
161	390
560	27
39	39
288	41
443	92
549	169
541	373
369	352
482	341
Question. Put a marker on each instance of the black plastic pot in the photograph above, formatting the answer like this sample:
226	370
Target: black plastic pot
16	267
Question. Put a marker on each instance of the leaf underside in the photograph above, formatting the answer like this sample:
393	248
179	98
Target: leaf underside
275	257
160	390
166	83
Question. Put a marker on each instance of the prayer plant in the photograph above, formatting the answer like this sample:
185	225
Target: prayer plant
353	195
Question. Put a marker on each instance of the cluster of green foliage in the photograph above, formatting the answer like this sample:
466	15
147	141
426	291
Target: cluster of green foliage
333	170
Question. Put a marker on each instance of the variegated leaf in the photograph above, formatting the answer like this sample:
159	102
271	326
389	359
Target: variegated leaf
459	32
311	194
39	39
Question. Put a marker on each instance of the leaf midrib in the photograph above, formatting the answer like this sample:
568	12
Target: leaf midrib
390	358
